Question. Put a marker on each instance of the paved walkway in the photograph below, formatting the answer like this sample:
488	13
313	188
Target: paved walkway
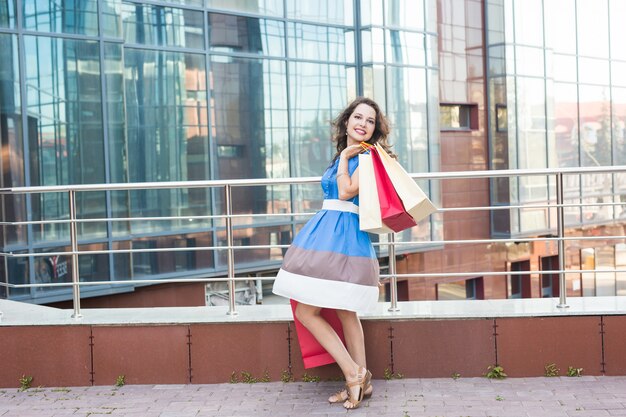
465	397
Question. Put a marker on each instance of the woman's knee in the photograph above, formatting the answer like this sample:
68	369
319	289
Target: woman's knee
346	316
305	313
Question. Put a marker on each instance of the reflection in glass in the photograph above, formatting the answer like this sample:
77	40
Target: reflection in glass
618	28
587	261
113	68
373	44
166	105
229	33
564	68
334	12
593	28
529	61
11	140
19	273
112	18
320	43
605	261
157	25
74	16
560	27
310	119
65	124
269	7
620	263
405	48
257	125
593	71
618	98
7	14
595	125
528	22
405	13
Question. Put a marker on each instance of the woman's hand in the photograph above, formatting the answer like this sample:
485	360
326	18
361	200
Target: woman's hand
351	151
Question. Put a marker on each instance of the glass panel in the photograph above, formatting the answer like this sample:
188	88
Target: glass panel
198	3
311	134
619	126
563	68
266	7
529	61
595	126
11	140
373	45
587	260
148	263
497	60
605	281
593	28
65	124
528	22
593	71
228	33
73	16
92	267
561	30
258	124
166	101
405	48
7	14
320	43
18	270
566	124
618	29
112	18
157	25
338	12
618	73
405	13
113	67
371	12
620	263
495	21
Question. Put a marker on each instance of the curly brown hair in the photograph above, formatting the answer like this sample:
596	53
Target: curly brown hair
381	131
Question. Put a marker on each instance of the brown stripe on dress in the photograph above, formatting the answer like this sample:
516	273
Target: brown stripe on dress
332	266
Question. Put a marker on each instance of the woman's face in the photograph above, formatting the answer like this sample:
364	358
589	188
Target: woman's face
361	124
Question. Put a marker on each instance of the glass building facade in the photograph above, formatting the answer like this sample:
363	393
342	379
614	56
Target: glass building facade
557	98
115	91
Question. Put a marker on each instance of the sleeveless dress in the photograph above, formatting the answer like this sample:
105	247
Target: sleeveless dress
331	263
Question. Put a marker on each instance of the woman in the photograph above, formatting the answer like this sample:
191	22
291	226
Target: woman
331	263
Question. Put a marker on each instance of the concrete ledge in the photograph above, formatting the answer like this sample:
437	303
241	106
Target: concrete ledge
23	314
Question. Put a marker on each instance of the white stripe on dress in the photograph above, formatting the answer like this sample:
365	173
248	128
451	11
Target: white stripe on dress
340	205
317	292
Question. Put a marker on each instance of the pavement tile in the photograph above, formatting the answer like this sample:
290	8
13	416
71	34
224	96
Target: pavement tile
514	397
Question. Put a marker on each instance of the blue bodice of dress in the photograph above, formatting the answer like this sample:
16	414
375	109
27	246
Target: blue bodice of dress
329	179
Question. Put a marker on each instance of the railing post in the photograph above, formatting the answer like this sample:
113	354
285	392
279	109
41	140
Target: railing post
393	281
230	251
560	221
74	243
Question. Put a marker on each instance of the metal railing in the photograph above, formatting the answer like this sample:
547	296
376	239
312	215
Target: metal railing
228	216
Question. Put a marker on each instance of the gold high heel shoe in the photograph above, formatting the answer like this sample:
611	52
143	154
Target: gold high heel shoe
361	382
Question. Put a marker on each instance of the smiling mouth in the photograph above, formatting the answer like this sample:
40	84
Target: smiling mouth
360	131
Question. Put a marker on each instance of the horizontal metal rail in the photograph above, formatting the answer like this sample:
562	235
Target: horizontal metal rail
229	219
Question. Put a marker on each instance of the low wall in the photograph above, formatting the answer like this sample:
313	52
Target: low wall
166	353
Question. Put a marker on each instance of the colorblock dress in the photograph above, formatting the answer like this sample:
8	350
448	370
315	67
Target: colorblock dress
331	263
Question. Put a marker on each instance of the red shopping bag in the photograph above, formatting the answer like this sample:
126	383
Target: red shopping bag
392	210
313	354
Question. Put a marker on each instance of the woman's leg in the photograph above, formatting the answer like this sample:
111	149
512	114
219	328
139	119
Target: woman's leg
310	317
353	333
355	342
